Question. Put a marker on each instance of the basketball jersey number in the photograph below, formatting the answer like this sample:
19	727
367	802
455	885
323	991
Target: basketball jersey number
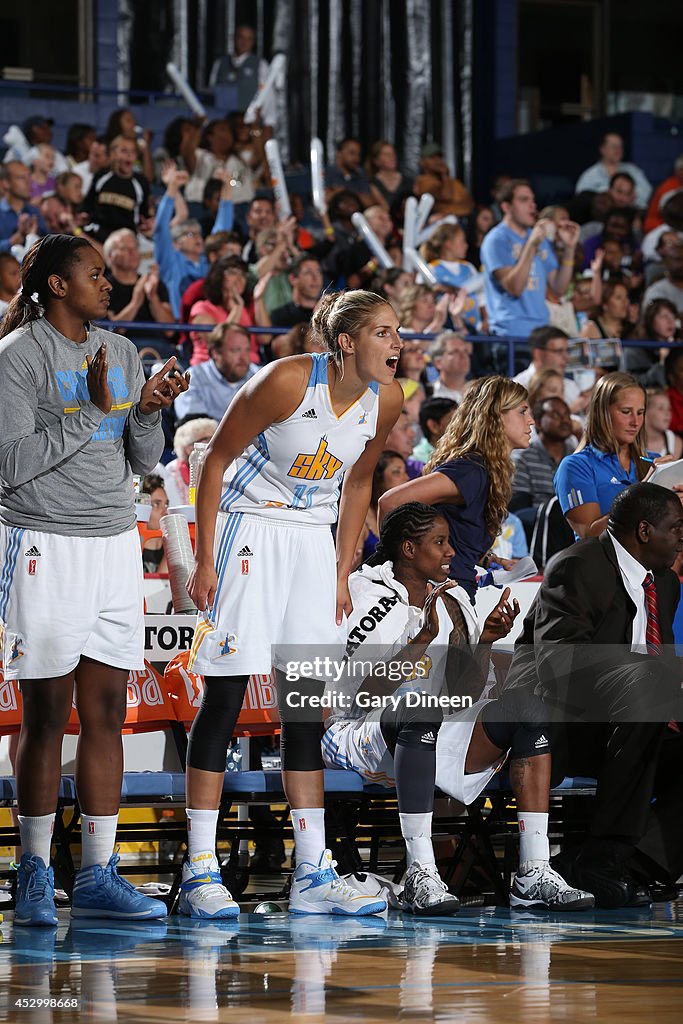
303	496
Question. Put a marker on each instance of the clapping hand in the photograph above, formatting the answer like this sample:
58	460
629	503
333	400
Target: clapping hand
568	232
430	618
151	282
98	385
172	177
457	303
500	621
163	388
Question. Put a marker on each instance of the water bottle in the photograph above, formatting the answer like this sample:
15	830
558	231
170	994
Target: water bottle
197	456
233	762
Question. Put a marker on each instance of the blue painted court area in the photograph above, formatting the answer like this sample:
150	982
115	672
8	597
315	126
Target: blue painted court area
276	967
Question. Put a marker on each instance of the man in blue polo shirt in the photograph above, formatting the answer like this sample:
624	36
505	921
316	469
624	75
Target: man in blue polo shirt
520	263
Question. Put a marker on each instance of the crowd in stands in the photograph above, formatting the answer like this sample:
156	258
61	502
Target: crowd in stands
190	232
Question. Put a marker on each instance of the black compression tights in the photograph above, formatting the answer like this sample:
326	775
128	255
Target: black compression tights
214	725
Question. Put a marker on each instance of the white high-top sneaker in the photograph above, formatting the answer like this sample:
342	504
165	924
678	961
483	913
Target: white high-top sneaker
202	893
318	889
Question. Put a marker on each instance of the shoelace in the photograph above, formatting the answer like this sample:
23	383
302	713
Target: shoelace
210	889
342	887
114	880
38	885
559	881
425	875
337	884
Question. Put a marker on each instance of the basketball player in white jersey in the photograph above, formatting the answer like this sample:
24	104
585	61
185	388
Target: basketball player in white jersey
265	572
423	643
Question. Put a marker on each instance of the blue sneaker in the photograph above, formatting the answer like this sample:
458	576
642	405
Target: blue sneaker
318	889
35	893
101	892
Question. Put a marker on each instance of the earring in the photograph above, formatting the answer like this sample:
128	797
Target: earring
341	356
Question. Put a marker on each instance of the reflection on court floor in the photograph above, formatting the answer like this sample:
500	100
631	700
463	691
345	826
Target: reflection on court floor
484	964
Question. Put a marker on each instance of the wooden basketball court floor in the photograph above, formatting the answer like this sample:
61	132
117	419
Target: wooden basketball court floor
486	964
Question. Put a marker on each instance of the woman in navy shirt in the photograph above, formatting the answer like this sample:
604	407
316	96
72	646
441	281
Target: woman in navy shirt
468	478
610	456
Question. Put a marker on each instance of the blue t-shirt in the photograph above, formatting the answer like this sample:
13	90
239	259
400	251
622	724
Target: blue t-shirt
511	542
457	273
592	476
467	531
508	314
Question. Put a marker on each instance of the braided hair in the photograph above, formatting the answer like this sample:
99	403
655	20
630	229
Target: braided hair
53	254
411	521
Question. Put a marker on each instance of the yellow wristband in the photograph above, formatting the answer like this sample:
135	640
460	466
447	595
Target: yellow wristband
329	232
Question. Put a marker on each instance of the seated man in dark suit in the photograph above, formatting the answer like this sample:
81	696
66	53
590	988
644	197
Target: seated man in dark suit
597	646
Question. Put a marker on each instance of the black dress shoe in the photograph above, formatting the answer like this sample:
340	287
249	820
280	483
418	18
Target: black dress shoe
612	890
640	896
664	892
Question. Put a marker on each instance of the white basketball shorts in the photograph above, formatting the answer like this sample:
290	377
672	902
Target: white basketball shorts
360	745
62	597
276	598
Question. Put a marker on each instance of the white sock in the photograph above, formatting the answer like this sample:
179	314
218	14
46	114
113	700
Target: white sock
416	829
201	833
98	835
36	835
533	839
309	834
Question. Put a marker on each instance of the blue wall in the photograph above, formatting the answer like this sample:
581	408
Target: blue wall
17	101
554	158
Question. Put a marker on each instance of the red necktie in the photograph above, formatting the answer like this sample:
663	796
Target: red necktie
653	635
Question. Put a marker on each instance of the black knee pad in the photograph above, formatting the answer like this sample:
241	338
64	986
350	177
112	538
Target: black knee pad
410	726
515	723
214	725
300	747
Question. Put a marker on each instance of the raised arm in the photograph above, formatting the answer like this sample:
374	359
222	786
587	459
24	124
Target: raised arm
225	217
560	279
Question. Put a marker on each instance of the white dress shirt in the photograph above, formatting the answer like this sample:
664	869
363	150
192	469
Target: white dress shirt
633	573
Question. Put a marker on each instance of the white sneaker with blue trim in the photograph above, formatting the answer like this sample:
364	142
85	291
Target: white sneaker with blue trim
202	893
318	889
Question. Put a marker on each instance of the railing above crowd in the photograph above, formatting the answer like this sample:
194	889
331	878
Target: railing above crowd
508	344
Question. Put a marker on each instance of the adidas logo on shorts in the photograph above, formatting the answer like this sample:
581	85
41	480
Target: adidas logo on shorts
541	742
32	552
245	553
310	415
428	737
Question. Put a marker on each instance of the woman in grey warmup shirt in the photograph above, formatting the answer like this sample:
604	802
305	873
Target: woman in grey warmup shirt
77	419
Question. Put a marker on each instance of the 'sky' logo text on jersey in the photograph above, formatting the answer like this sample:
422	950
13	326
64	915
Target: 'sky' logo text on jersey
322	465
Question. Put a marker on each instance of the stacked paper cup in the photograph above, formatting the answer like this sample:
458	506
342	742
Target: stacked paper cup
178	548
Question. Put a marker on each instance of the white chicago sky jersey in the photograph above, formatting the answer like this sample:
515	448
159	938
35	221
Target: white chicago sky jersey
293	470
